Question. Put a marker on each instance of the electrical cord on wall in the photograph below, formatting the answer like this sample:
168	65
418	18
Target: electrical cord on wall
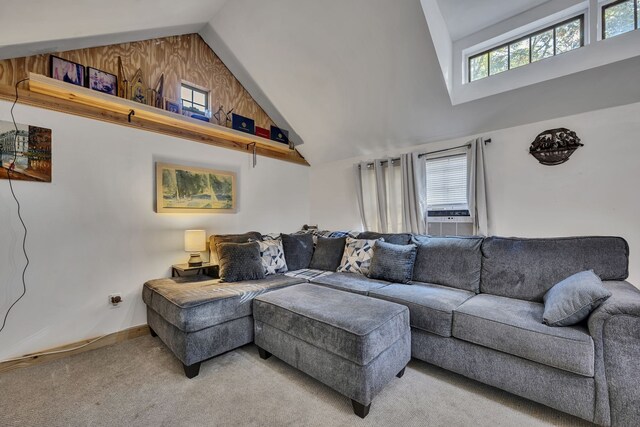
24	238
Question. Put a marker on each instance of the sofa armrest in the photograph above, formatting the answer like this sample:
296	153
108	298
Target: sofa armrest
615	329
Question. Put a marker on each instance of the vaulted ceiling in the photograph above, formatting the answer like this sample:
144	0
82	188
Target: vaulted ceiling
351	78
465	17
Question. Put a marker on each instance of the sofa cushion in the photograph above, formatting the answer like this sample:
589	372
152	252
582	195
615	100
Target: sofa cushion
272	254
197	302
430	306
351	282
392	262
393	238
298	250
240	261
328	253
308	273
352	326
449	261
233	238
515	327
573	299
527	268
357	255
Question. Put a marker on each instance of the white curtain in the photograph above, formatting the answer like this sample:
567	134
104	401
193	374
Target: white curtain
391	194
477	189
414	193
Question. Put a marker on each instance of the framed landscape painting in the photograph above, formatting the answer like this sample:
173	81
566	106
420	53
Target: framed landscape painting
185	189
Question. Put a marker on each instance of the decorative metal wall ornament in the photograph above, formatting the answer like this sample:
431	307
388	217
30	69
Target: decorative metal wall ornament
555	146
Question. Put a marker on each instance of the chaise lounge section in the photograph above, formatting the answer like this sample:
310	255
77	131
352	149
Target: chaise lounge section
475	307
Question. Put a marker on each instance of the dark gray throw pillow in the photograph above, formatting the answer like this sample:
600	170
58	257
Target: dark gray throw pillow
215	239
328	253
573	299
393	263
298	250
240	261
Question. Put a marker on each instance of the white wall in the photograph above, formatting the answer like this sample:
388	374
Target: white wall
93	230
594	193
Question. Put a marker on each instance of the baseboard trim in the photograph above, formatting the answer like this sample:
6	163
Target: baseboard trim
78	347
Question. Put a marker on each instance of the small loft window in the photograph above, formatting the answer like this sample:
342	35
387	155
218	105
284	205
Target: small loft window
194	99
447	183
559	38
619	17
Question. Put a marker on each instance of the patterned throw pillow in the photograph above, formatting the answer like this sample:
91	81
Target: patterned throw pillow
272	254
357	255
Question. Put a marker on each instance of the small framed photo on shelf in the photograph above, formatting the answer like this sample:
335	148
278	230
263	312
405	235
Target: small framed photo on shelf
66	71
173	107
102	81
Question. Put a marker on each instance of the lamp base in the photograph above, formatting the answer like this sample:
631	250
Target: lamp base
195	260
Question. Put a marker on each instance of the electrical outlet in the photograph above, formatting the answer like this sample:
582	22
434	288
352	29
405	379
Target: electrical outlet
115	299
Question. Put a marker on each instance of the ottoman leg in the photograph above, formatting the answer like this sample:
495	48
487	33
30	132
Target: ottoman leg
401	373
264	354
191	370
359	409
153	333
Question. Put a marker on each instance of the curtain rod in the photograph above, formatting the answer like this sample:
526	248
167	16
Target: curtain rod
421	155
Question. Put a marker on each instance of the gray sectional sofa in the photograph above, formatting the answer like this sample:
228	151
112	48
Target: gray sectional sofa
475	308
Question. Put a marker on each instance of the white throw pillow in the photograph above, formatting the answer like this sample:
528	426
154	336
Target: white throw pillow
272	254
357	255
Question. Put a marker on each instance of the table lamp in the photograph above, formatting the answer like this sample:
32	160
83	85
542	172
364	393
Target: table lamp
195	242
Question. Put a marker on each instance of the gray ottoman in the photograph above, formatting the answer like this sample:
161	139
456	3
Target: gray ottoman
198	317
352	343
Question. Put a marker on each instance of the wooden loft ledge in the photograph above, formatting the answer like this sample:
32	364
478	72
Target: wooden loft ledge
45	92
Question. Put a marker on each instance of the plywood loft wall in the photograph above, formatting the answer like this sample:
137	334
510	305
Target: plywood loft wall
185	57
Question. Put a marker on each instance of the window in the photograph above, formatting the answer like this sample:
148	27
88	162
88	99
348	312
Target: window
562	37
194	99
619	17
447	183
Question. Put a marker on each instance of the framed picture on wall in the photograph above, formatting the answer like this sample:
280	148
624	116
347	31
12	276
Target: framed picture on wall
102	81
66	71
185	189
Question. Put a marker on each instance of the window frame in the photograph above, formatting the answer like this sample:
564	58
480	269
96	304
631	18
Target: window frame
449	208
194	88
603	9
579	17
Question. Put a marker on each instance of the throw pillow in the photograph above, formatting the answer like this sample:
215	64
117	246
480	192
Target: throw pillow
357	256
234	238
272	255
328	253
573	299
393	263
240	261
298	250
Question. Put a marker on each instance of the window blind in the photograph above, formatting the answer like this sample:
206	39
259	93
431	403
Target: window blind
447	181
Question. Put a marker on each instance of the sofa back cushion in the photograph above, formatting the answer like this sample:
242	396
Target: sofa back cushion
393	238
230	238
527	268
448	261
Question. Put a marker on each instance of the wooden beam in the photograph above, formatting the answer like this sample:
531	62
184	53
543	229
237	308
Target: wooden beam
73	348
92	105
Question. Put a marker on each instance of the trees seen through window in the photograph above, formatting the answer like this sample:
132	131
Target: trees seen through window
562	37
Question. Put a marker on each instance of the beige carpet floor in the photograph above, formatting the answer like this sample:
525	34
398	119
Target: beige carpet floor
140	383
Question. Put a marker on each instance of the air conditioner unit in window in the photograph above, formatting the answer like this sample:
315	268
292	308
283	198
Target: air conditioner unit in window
450	222
449	215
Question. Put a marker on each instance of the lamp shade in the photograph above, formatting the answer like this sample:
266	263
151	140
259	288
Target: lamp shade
195	240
